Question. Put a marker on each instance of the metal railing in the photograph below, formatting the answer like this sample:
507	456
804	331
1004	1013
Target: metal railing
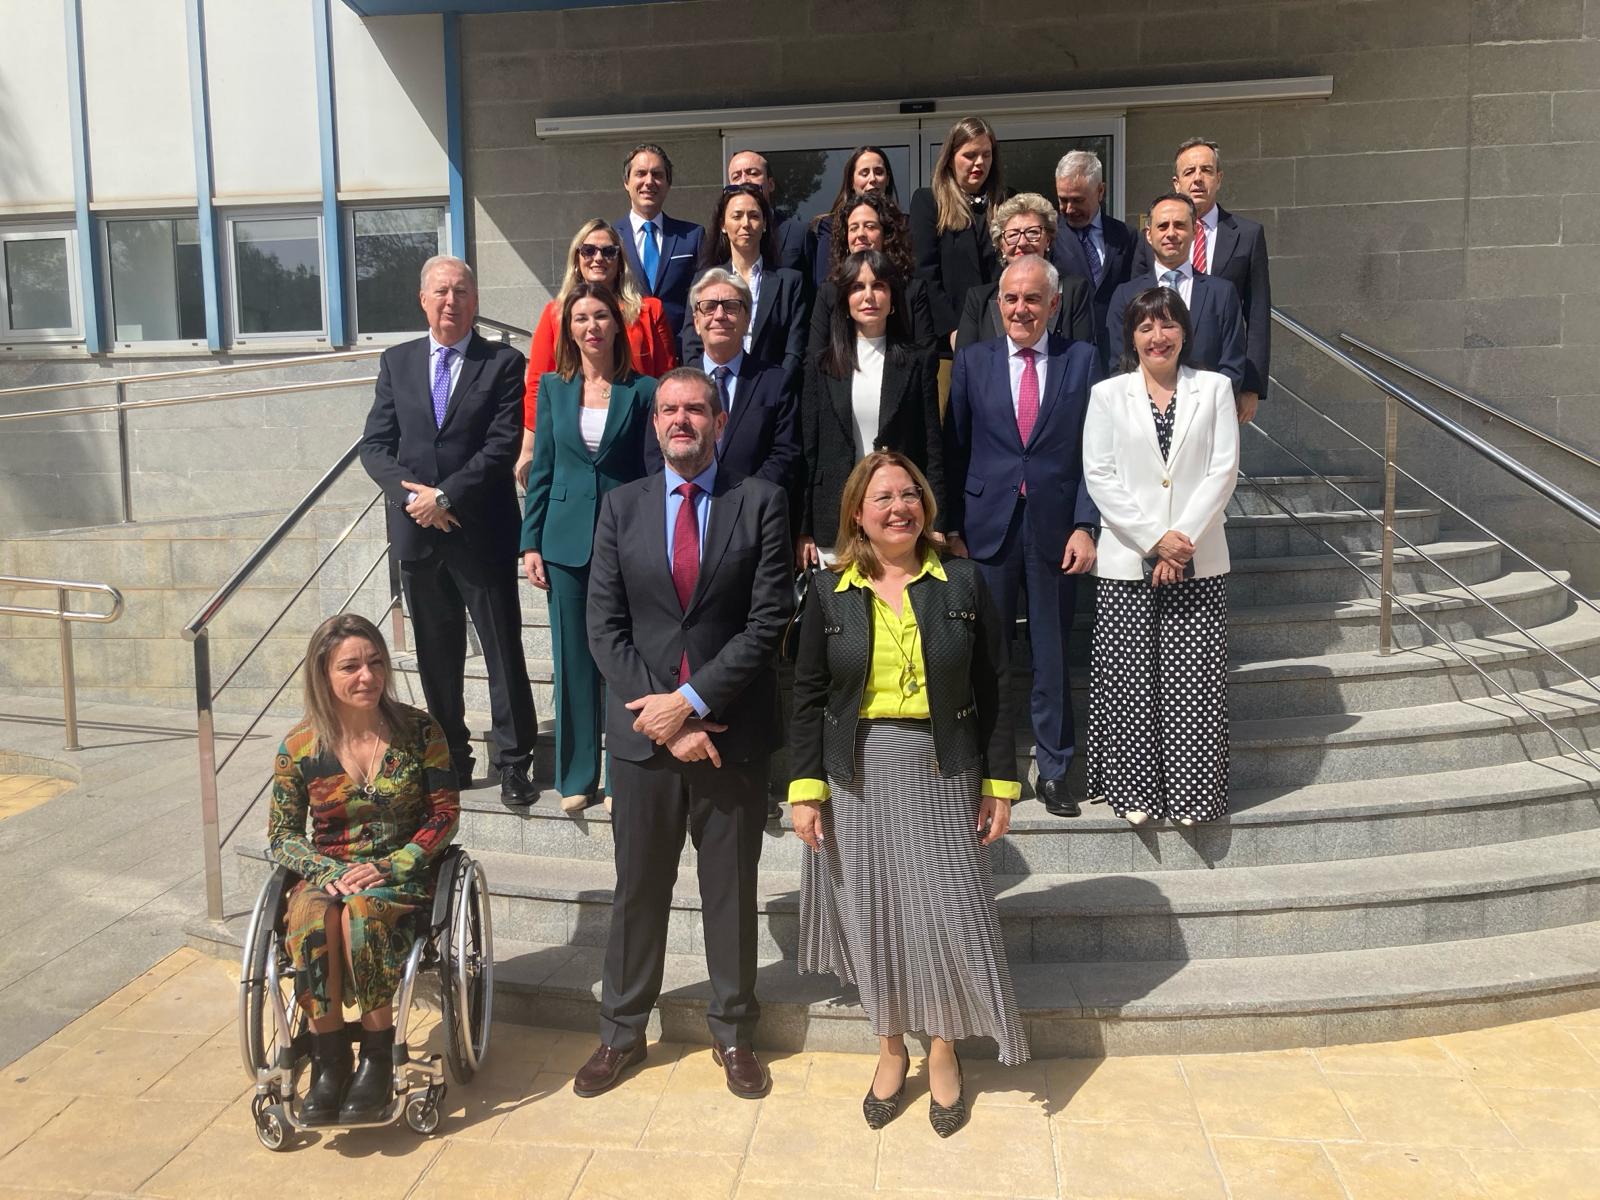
197	632
64	616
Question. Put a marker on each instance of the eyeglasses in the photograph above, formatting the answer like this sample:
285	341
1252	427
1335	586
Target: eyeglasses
882	501
733	306
1032	236
586	252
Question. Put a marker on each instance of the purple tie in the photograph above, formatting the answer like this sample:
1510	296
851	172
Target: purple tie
441	384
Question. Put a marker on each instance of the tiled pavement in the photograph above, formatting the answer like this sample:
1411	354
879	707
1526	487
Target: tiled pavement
19	793
144	1096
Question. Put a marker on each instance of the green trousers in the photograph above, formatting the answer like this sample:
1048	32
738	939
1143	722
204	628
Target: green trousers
579	689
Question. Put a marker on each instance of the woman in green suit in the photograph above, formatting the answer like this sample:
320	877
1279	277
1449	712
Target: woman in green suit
594	414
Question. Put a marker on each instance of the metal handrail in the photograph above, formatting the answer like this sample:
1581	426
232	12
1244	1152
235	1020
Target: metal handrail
504	326
274	389
265	364
64	616
1490	410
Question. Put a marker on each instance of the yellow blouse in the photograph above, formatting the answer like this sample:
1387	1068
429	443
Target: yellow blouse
897	682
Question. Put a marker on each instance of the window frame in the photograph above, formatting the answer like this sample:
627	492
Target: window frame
36	232
113	343
347	227
230	274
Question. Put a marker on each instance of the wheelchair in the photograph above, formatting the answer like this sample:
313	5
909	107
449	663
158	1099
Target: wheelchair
274	1031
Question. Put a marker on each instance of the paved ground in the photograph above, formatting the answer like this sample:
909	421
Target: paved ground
144	1096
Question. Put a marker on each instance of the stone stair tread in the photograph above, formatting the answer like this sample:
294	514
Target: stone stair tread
1512	585
1442	551
1340	516
1338	883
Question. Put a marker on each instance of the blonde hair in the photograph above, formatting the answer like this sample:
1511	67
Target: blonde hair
954	211
1023	202
627	292
852	547
322	710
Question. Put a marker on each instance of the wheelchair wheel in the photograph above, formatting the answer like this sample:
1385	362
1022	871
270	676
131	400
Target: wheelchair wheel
422	1110
272	1127
264	969
466	969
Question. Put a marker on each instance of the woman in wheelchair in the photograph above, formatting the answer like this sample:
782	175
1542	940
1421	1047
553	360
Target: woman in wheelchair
375	777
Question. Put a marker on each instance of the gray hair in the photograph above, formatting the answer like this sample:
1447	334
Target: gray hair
1081	164
1023	202
695	376
716	276
1190	143
449	260
1051	275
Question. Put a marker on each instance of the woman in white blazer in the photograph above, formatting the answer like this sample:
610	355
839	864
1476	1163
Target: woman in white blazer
1160	457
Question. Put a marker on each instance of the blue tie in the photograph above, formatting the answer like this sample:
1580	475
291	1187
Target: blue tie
651	258
1087	239
441	384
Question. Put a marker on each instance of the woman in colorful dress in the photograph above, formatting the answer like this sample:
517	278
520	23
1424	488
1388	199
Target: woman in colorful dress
363	800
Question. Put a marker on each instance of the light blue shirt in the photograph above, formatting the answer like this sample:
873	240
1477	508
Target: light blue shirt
460	348
707	480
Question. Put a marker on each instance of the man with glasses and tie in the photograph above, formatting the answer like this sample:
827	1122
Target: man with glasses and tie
1018	505
662	251
1026	224
1216	324
1089	241
440	441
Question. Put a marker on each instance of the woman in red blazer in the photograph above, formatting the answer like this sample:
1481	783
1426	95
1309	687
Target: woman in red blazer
595	256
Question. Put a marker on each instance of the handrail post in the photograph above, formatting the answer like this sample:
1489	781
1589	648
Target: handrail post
1391	433
206	739
397	614
69	686
124	457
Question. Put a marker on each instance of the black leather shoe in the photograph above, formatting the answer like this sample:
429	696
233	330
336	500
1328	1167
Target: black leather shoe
516	789
1058	802
372	1086
330	1074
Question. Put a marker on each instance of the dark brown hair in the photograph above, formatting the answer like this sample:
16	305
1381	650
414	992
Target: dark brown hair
896	233
569	357
646	148
852	546
847	185
838	357
1153	302
715	250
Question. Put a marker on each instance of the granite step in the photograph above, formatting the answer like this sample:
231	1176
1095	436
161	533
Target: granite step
1312	578
1278	535
1304	493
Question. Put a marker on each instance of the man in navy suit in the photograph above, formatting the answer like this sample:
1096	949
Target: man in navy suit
762	437
1018	504
1090	242
1230	247
662	251
789	238
1216	326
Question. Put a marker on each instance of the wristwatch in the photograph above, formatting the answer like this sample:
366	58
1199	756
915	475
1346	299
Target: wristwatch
441	499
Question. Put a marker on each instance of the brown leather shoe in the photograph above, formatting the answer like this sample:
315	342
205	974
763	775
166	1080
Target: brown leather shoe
747	1078
605	1068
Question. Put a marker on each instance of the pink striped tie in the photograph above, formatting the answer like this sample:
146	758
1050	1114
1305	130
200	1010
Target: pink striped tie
1200	248
1027	400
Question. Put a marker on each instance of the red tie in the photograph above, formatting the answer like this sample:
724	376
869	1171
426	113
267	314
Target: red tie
685	556
1027	400
1200	248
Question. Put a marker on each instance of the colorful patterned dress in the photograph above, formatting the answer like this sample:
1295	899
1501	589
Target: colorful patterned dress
401	828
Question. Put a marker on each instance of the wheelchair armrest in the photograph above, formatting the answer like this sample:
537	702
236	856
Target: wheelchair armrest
275	892
452	860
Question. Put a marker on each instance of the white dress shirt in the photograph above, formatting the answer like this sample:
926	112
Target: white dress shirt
1014	363
754	281
638	224
866	391
1185	279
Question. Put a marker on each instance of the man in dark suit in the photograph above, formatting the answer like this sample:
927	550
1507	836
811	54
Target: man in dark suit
1216	326
662	251
789	238
1089	241
689	592
1230	247
440	441
1018	504
762	438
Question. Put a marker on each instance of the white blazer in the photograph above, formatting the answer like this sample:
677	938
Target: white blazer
1139	495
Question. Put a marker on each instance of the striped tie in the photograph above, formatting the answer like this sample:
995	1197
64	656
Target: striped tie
1200	248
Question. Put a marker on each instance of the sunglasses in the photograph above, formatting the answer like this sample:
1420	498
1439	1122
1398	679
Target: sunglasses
607	253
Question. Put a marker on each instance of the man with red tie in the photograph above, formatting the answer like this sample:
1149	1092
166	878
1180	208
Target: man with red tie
690	589
1017	500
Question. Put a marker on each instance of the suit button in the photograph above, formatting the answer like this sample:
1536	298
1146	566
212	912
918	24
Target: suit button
688	623
438	444
1166	483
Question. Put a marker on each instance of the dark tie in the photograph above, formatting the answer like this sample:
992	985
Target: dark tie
685	556
441	384
720	374
1085	236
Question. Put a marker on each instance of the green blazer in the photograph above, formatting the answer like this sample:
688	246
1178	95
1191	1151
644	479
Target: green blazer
565	481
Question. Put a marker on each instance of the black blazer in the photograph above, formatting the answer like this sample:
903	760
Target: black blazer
964	659
980	317
1240	257
908	421
789	238
638	632
921	314
952	261
777	327
680	252
469	457
1067	254
1217	333
762	439
819	250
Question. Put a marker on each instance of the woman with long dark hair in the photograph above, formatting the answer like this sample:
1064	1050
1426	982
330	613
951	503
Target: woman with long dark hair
866	170
870	221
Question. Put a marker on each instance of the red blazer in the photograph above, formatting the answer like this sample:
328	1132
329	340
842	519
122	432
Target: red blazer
653	352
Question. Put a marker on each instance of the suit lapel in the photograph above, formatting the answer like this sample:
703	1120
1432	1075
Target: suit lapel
892	392
769	287
1184	398
653	526
669	243
1055	381
738	396
631	253
621	403
726	500
1139	414
471	368
1227	239
839	396
1007	414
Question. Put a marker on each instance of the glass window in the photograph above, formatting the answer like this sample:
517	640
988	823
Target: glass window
157	294
805	181
388	248
39	288
1030	162
277	275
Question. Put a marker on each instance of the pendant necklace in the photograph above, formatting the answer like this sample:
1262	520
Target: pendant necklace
369	789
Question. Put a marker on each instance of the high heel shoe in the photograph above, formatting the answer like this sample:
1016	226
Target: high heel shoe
947	1118
880	1112
1134	817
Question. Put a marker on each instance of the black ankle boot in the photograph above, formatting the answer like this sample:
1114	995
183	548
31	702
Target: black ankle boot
330	1072
373	1085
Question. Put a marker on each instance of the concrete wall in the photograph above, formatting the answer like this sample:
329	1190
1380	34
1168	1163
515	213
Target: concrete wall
1444	205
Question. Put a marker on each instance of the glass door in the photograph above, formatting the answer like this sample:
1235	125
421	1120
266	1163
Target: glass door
1030	147
807	164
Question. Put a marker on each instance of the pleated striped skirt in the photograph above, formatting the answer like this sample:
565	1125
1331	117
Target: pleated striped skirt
900	900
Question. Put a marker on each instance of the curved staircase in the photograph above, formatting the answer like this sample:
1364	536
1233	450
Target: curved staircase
1408	850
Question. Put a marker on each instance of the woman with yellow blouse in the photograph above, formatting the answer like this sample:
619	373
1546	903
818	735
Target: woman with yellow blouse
905	771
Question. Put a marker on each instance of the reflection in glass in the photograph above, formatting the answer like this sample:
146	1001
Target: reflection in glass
156	289
38	288
1030	163
391	244
278	274
804	182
